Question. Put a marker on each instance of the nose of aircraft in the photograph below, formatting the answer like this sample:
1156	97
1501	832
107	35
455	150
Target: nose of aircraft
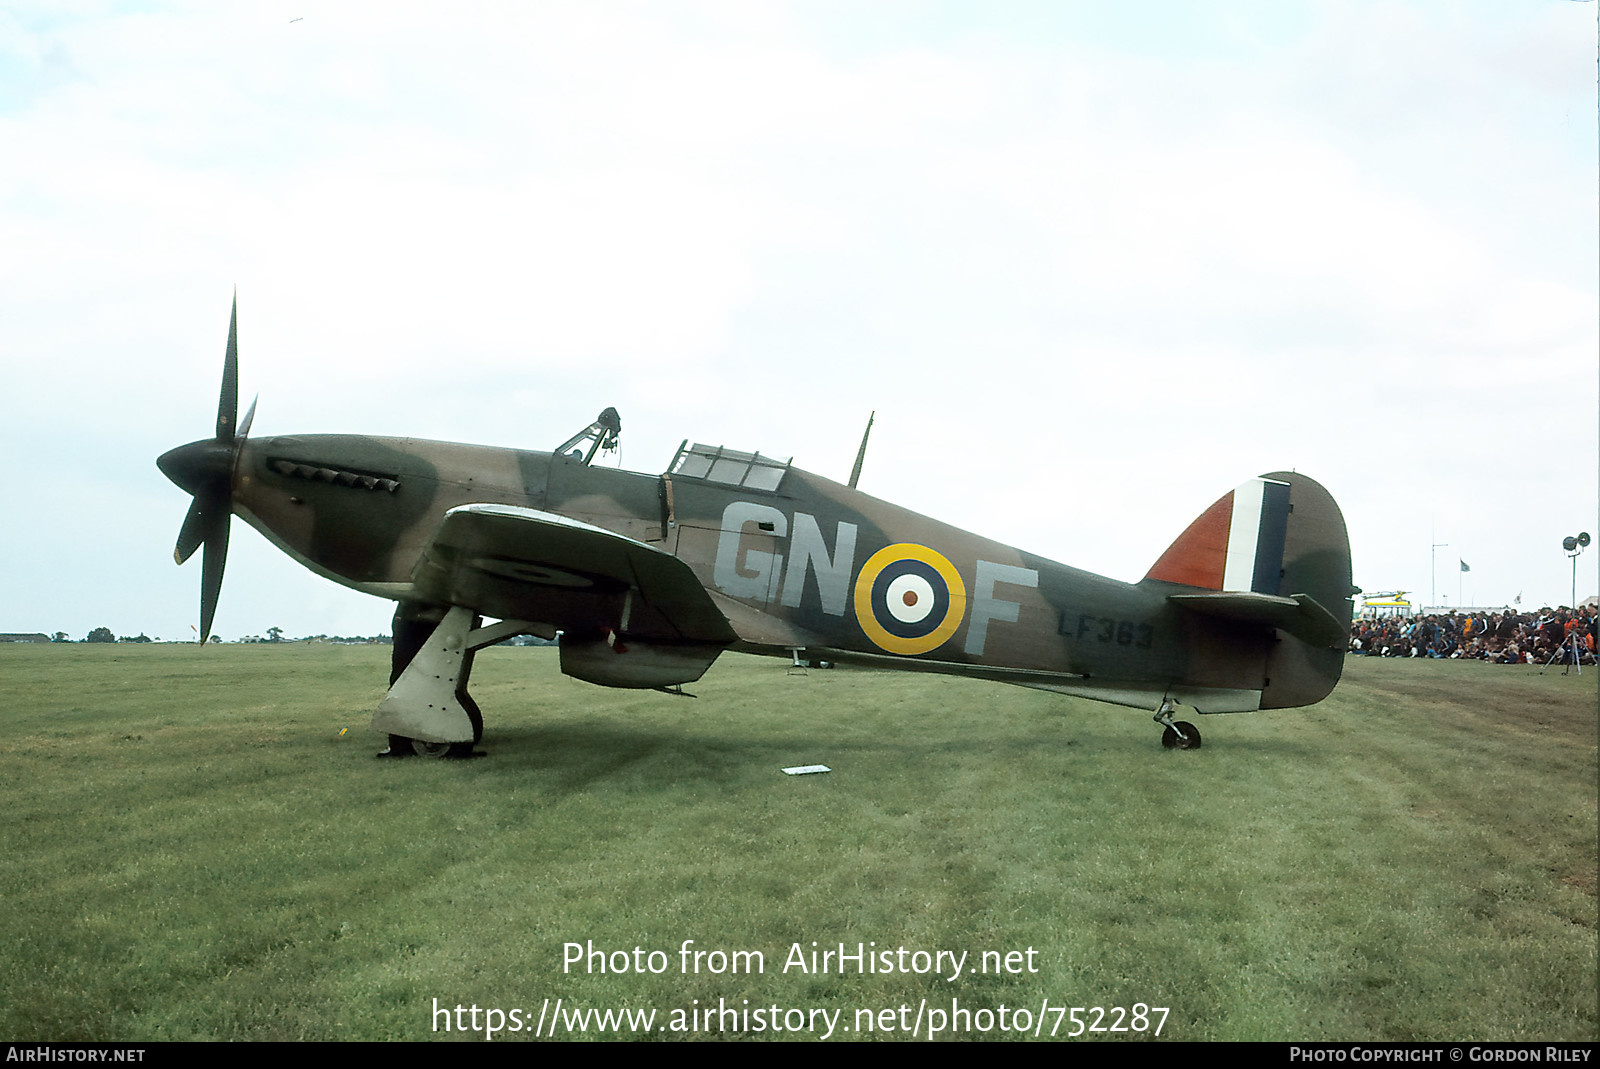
205	470
198	464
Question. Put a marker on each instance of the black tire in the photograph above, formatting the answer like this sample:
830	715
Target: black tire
1190	741
474	714
412	627
441	749
399	746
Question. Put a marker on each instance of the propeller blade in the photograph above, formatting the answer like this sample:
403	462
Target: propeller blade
205	470
193	532
250	414
228	402
216	558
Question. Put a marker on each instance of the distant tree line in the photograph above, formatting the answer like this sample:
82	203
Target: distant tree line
103	634
275	634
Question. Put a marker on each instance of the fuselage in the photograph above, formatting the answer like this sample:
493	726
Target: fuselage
795	561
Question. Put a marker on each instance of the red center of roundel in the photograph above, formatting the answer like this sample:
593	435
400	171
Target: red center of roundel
909	597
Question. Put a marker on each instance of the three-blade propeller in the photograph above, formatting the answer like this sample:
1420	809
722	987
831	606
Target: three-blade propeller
205	470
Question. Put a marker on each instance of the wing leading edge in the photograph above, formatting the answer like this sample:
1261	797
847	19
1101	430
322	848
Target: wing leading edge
510	562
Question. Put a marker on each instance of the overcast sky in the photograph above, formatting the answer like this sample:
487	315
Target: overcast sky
1092	264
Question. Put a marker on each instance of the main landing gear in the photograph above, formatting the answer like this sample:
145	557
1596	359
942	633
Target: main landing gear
413	626
428	711
1180	734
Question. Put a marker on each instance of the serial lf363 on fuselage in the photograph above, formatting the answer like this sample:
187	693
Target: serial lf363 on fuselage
648	578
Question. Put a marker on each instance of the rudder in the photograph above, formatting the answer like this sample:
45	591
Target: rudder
1316	562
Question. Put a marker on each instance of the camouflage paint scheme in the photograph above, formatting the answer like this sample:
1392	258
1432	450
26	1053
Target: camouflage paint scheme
649	577
784	567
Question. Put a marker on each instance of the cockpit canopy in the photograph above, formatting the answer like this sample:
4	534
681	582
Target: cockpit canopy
719	464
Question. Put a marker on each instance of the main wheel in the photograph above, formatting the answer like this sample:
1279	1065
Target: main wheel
1190	741
441	749
399	746
473	714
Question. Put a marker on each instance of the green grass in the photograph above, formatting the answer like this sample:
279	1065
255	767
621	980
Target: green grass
191	851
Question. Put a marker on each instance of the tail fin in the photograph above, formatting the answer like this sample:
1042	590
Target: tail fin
1273	552
1236	544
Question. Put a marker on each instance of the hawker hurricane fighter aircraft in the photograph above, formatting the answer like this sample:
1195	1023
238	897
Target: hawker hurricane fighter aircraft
648	578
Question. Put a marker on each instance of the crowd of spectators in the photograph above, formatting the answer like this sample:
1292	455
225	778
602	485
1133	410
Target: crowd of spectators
1508	637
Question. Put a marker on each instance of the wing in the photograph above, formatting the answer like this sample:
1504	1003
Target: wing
523	564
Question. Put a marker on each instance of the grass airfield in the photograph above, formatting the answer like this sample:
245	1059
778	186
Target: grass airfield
191	851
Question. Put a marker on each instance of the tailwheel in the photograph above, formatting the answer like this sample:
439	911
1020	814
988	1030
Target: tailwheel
1181	736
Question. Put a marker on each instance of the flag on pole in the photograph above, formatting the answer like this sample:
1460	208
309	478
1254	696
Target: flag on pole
1464	566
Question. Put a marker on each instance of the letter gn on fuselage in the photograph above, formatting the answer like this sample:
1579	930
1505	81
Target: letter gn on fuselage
792	560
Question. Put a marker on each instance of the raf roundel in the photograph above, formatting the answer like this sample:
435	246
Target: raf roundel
909	599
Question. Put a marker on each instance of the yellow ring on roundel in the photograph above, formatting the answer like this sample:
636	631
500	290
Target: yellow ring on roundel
955	610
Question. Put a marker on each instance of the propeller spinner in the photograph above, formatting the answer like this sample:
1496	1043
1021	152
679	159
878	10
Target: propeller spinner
205	470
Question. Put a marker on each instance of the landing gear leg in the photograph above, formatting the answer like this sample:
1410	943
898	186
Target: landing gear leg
411	627
1180	734
434	640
